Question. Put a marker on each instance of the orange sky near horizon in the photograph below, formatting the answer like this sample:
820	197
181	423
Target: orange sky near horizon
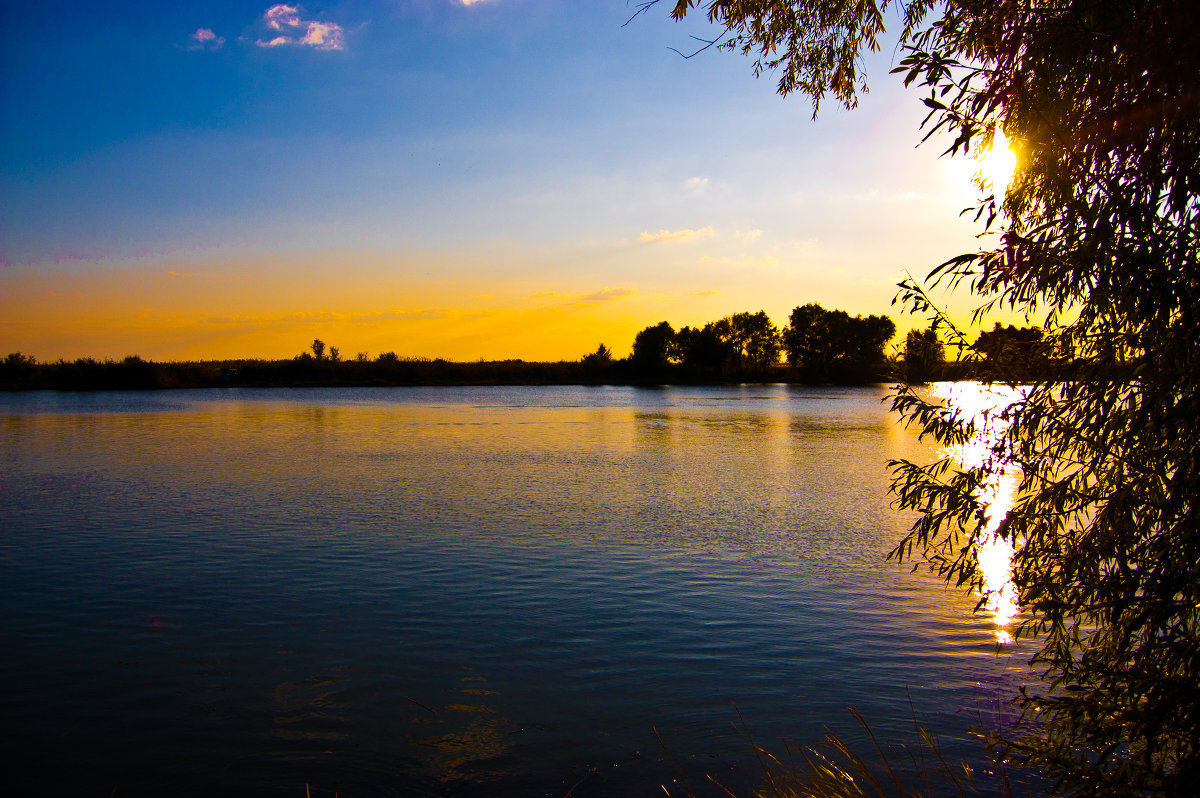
502	180
273	306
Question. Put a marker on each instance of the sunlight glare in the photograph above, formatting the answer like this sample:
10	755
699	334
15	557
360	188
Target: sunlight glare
985	405
997	164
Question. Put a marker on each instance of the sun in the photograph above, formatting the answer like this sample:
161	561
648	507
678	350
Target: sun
997	165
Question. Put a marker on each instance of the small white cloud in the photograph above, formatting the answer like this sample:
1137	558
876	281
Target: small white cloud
678	236
205	39
294	29
470	3
280	16
323	36
755	233
696	183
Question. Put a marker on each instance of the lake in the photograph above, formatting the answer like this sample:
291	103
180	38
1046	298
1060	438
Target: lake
493	591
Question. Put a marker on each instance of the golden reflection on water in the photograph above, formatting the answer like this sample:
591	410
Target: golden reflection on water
466	741
984	405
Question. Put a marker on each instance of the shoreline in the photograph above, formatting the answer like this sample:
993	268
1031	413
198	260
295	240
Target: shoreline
137	374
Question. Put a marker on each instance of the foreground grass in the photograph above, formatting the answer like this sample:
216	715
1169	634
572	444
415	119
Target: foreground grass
833	768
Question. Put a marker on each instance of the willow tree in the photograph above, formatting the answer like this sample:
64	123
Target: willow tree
1096	239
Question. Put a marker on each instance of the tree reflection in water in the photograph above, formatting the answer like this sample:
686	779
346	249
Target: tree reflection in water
984	406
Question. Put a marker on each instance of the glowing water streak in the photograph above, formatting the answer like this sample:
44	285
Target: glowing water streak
985	405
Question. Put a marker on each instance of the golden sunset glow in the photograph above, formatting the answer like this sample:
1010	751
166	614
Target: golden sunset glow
310	184
495	302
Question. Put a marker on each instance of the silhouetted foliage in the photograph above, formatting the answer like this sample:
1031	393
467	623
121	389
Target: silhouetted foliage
924	355
1020	352
738	347
824	346
652	348
16	367
830	345
703	353
600	359
1002	343
754	341
1098	234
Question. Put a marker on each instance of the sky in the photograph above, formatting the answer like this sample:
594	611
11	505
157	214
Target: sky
436	178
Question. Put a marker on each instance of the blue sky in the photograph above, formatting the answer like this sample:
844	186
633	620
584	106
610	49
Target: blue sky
508	178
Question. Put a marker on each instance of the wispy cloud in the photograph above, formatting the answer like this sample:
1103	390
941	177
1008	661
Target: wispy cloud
594	298
706	292
306	318
695	183
755	233
471	2
607	295
205	39
741	261
293	29
678	236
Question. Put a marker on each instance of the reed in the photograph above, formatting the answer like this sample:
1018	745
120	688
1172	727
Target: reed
835	768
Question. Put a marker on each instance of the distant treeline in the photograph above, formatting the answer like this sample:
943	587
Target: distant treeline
817	346
18	372
820	346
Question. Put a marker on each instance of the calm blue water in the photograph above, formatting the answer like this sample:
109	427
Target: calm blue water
461	591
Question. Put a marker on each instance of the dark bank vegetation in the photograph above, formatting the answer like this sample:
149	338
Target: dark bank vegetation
1097	238
18	372
820	346
817	347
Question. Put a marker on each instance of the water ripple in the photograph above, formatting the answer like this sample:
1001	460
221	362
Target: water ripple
460	592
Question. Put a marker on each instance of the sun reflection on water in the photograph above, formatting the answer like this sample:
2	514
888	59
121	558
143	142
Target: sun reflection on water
985	405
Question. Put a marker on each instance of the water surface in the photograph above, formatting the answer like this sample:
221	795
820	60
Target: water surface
461	591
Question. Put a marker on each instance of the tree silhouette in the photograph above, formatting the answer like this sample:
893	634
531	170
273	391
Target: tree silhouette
754	341
600	359
831	345
1021	351
652	348
923	355
703	352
